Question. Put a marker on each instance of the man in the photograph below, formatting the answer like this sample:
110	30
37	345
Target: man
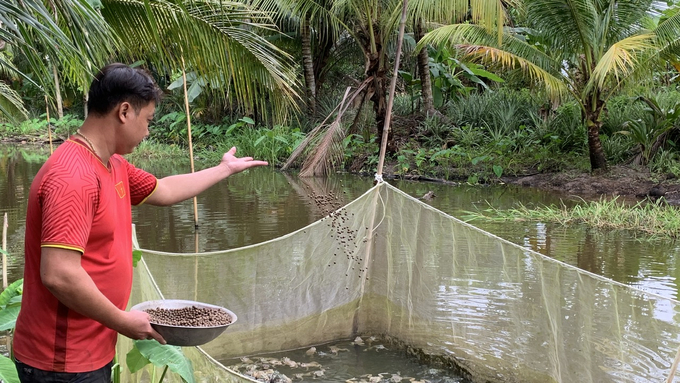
78	252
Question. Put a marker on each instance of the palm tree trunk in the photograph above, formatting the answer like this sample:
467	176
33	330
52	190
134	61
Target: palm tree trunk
355	123
424	71
308	66
57	90
597	158
323	53
593	124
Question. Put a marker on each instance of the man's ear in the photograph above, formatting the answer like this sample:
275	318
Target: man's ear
123	110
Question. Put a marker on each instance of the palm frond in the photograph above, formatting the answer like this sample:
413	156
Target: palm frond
325	139
568	25
327	153
11	106
488	14
555	87
325	24
91	36
620	59
461	35
218	39
68	34
668	35
627	17
451	35
309	140
666	47
448	12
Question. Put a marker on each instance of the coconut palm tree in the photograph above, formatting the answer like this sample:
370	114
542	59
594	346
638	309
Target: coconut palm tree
218	39
11	105
373	26
585	50
224	41
313	31
424	13
64	33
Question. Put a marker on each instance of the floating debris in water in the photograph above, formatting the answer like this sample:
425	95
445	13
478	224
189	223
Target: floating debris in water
371	360
377	347
335	349
306	366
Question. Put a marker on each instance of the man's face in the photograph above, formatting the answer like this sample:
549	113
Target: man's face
136	127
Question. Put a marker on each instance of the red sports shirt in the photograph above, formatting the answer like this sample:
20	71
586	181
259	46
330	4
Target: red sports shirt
77	203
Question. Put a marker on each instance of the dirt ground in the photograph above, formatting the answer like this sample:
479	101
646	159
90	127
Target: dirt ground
628	182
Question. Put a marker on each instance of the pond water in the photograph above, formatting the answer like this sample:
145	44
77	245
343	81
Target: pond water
264	203
345	361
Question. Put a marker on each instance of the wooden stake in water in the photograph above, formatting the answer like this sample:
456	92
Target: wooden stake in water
5	225
191	148
4	256
196	265
393	86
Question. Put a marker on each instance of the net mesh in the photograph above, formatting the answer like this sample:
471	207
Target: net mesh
391	265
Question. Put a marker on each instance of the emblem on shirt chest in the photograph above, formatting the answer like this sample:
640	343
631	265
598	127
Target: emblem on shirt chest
120	189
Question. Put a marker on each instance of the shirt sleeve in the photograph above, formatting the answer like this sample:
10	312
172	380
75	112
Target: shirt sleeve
142	184
68	199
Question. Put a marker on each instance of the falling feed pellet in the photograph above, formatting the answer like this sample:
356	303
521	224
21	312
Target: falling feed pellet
345	238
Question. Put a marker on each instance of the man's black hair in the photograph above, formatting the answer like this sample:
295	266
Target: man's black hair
116	83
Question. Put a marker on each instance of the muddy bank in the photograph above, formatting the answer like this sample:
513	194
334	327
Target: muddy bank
628	182
632	184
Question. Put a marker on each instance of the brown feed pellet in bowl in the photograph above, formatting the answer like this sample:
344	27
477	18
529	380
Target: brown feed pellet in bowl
190	316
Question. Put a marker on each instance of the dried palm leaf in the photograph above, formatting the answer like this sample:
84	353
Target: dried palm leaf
325	140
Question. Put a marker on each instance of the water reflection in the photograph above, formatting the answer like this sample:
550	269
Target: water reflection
263	204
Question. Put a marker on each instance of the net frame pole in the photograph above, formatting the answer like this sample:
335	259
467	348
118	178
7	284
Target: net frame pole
5	225
393	86
191	147
674	367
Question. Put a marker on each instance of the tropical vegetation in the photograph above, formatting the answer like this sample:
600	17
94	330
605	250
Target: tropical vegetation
485	88
585	51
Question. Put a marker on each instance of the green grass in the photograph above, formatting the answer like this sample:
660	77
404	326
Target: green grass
655	220
150	150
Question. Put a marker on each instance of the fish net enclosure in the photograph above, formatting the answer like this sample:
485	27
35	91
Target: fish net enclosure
448	293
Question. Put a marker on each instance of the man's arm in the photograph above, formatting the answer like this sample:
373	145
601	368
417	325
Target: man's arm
64	277
177	188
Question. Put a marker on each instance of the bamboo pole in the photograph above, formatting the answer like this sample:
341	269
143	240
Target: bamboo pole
49	126
191	147
674	367
5	225
196	265
393	86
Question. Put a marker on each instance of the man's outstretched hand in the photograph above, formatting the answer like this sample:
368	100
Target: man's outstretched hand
236	165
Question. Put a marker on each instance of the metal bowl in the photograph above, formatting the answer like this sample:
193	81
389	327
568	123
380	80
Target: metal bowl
183	335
